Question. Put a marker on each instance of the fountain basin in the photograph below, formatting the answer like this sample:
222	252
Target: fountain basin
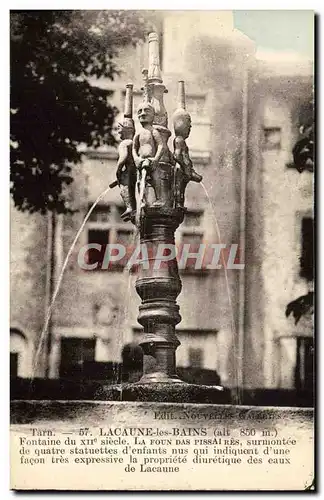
173	391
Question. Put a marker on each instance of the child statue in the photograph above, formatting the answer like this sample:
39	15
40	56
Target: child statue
149	149
126	170
182	127
148	146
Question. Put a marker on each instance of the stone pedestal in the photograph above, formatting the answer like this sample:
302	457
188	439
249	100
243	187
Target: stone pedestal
157	387
158	285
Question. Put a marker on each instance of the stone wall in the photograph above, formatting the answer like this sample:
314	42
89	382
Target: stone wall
28	250
278	197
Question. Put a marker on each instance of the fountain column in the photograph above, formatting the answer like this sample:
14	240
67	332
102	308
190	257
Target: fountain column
162	178
158	286
158	283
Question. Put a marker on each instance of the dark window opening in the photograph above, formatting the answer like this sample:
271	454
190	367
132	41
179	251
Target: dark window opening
132	364
192	235
101	213
106	227
195	357
13	364
271	138
194	240
307	249
192	218
119	211
304	373
100	237
77	358
124	238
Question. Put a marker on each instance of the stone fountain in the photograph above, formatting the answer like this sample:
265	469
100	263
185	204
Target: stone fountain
153	181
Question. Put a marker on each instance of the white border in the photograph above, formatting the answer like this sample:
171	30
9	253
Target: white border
317	6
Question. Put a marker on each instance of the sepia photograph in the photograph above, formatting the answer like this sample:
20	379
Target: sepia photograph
162	255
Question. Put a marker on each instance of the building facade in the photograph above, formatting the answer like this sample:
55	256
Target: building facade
245	117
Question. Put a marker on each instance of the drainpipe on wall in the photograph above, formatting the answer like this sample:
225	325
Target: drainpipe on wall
242	233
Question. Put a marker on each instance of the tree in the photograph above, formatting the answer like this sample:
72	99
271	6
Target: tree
303	151
301	306
54	107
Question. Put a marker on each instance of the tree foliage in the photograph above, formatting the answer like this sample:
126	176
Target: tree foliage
300	307
303	151
54	106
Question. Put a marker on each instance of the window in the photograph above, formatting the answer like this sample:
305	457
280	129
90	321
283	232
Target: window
191	232
132	364
192	219
271	138
13	364
307	249
18	353
101	213
193	239
195	357
123	237
77	357
101	238
196	105
105	227
304	373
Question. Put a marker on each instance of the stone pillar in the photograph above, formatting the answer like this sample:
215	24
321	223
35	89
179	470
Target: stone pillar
158	285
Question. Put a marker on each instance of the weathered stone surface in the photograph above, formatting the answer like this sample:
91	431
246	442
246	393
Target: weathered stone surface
164	392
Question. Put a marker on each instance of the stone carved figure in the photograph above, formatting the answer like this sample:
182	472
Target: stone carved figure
126	170
149	148
182	127
148	144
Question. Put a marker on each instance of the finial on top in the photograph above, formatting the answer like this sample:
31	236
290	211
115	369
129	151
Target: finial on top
128	122
153	37
154	72
146	87
128	107
181	118
181	95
